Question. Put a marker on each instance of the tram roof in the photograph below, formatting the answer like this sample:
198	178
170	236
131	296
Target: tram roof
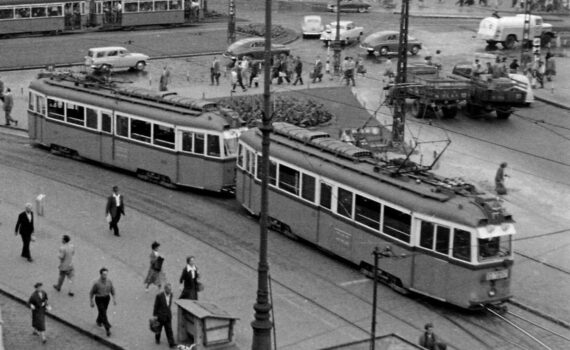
33	2
419	191
151	108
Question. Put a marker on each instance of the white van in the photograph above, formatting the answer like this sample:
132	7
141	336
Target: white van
509	29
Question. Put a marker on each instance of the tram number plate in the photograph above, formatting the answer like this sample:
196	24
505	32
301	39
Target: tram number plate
497	275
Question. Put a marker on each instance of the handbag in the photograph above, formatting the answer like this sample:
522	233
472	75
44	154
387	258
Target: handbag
157	264
108	218
154	325
200	286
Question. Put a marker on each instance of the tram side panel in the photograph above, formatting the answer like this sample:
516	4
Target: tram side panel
29	25
147	18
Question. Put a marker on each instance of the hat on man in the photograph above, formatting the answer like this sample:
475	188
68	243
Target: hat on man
428	325
39	284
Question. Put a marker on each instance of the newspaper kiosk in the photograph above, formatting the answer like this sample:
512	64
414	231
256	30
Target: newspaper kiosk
205	325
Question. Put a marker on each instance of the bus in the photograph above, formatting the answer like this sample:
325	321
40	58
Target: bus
160	136
438	237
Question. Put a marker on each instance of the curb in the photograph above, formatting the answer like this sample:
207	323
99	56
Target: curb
540	313
552	102
67	323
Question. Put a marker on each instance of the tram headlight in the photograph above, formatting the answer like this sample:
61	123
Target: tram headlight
492	292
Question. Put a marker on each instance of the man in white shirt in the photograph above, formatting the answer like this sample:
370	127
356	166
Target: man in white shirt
115	208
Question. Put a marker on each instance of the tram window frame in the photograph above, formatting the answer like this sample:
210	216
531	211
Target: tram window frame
41	104
140	130
50	109
74	114
160	5
427	234
486	242
7	13
91	118
32	101
213	148
58	11
122	125
176	3
396	223
22	12
250	161
187	141
131	6
163	136
308	187
442	239
144	6
367	211
461	248
344	202
39	11
240	155
289	179
230	140
107	122
325	195
199	143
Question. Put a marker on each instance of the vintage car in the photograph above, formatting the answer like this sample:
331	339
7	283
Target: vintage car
312	26
103	59
348	32
349	5
387	41
254	48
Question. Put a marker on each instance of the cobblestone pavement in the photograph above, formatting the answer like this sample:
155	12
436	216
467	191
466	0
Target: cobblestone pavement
18	332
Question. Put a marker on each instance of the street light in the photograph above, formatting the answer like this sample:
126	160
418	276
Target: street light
336	43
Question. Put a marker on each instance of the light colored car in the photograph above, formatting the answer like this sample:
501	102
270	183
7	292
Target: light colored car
254	48
312	26
350	5
104	59
387	41
348	32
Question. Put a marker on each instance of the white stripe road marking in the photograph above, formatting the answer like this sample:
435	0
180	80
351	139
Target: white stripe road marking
344	284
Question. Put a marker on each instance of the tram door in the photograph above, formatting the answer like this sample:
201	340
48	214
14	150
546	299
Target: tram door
112	13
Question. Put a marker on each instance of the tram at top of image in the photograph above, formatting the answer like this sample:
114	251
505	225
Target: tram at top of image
57	16
438	237
160	136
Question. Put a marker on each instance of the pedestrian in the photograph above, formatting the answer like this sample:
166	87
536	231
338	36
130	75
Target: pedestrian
215	71
8	105
298	71
100	295
389	70
254	77
245	70
236	78
155	275
318	70
283	70
360	69
350	72
500	179
550	66
514	66
66	253
189	280
164	79
540	71
431	341
39	304
25	227
115	208
163	314
328	69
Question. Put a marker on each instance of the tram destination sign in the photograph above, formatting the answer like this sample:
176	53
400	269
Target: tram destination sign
497	275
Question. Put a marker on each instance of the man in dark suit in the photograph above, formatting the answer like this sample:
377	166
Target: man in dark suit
25	227
162	313
115	208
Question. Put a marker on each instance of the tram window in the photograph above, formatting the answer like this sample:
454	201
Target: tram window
199	140
145	6
41	105
326	195
131	6
250	162
22	12
140	130
31	102
122	127
344	203
367	212
240	155
174	5
187	138
75	114
56	109
397	224
213	145
288	179
308	187
160	5
442	240
39	11
106	122
426	234
272	172
462	245
91	118
230	146
55	11
7	13
163	136
489	248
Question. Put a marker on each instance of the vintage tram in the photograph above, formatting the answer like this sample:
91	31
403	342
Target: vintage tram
163	137
59	16
439	237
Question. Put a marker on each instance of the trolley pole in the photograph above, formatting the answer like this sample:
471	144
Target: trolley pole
376	254
262	324
336	42
231	21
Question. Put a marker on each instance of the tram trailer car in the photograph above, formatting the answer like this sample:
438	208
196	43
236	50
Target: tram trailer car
438	238
165	138
57	16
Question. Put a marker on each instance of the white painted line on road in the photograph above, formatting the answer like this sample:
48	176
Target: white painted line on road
364	280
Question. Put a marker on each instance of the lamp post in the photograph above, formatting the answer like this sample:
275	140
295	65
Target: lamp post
262	324
336	43
231	21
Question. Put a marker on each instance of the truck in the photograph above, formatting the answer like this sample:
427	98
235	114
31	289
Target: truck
508	30
430	93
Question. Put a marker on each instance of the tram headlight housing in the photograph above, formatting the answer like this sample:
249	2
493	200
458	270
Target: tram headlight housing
492	292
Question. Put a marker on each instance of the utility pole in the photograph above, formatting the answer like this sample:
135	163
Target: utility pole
231	21
262	324
398	124
526	34
336	43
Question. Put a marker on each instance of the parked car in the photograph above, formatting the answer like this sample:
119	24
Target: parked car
104	59
348	32
312	26
350	5
387	41
254	48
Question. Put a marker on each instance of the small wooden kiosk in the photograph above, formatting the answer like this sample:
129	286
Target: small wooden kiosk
205	325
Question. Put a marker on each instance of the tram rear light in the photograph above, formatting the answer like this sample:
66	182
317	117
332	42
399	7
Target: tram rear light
492	292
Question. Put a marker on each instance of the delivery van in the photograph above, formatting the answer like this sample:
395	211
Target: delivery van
509	29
